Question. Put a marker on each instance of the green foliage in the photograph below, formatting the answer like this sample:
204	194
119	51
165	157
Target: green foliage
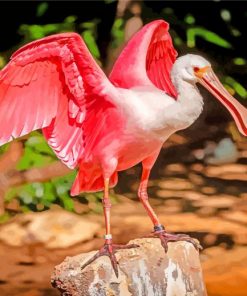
239	61
37	153
4	218
193	33
94	201
235	32
2	62
4	148
89	35
117	32
33	32
39	196
89	31
109	1
238	88
41	9
189	19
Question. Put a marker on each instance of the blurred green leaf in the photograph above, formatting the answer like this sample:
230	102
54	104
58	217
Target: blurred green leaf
49	193
39	144
178	41
239	61
10	194
235	32
94	201
37	153
88	25
33	32
70	19
67	202
33	158
117	32
39	196
168	10
189	19
239	89
91	43
27	194
4	218
109	1
4	148
41	9
2	62
193	33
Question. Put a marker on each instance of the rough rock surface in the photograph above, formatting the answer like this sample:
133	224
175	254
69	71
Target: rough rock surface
146	270
54	229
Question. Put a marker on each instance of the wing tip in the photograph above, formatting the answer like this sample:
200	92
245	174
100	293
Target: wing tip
49	38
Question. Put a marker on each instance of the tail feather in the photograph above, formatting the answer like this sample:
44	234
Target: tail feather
91	181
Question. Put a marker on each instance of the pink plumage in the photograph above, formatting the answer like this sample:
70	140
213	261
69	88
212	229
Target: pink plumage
147	59
103	126
55	84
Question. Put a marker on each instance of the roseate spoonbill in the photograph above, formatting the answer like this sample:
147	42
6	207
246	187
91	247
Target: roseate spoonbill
103	125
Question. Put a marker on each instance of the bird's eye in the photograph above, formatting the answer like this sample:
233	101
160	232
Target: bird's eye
196	69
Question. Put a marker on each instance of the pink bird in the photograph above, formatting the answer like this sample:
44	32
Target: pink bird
103	126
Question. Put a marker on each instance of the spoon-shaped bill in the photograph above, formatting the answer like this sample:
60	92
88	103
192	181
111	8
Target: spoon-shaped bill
210	81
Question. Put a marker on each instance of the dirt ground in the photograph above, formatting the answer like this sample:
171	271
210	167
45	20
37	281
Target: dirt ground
206	201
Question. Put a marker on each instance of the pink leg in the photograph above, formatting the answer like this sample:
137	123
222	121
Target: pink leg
109	249
159	229
143	195
107	208
147	165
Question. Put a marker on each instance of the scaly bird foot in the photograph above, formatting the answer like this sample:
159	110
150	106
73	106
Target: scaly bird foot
109	249
159	232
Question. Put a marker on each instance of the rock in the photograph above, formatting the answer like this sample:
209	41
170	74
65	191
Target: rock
176	168
54	229
146	270
219	201
196	179
208	190
235	216
227	172
188	222
12	234
175	183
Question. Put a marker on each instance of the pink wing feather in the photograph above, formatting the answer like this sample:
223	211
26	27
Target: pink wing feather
147	59
54	84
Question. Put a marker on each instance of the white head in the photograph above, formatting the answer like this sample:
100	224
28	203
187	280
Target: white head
184	67
192	69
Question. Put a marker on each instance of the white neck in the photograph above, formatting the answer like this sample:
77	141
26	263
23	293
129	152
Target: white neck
189	102
156	112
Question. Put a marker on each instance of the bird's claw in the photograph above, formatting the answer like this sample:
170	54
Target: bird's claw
166	237
109	250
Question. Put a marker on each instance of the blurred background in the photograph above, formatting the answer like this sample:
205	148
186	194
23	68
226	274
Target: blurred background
198	185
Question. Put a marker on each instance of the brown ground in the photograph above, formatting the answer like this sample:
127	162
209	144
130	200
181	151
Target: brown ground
207	202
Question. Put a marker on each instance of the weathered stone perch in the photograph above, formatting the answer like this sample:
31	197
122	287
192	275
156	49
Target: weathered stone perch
144	271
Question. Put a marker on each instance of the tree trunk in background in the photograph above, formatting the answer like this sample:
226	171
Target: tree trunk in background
147	270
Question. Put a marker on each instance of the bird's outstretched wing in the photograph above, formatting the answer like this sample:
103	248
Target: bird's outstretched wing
147	59
53	84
